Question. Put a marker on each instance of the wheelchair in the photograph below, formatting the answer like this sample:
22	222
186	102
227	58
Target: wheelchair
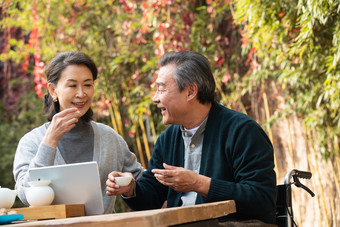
284	209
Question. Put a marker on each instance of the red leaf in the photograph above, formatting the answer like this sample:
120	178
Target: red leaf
37	80
187	19
161	27
132	133
254	64
244	40
145	28
145	5
226	77
220	61
24	66
38	90
209	9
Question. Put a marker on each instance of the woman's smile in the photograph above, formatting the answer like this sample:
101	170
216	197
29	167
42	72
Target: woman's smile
75	88
79	105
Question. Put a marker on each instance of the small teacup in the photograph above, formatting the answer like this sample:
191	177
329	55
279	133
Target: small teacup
123	181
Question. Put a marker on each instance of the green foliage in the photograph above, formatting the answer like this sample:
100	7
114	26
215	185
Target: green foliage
125	39
297	44
294	43
12	128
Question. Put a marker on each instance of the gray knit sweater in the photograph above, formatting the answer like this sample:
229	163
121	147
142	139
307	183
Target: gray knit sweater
110	152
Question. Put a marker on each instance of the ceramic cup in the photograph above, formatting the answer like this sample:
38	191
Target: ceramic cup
123	181
7	197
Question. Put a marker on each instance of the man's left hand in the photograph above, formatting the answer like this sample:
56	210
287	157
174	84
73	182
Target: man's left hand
182	180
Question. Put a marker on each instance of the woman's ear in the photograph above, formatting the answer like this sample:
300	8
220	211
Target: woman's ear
192	91
51	90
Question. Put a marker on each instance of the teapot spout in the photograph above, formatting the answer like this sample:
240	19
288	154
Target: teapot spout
21	189
16	191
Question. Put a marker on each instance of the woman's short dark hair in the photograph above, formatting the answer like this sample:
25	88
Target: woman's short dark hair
53	72
192	67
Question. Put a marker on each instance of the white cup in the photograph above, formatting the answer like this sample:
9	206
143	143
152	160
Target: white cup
123	181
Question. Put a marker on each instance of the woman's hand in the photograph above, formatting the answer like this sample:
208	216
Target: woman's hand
114	189
61	124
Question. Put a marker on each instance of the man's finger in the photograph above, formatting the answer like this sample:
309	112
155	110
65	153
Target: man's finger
160	171
163	178
169	167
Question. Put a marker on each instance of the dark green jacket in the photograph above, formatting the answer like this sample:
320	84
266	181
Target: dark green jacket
236	154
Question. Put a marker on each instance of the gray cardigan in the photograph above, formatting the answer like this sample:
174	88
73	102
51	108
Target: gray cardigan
110	152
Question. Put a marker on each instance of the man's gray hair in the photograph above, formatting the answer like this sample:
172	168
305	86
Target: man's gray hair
192	67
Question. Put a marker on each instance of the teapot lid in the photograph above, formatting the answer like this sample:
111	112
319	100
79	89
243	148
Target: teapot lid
39	183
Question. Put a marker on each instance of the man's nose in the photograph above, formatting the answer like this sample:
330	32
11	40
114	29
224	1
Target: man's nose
155	98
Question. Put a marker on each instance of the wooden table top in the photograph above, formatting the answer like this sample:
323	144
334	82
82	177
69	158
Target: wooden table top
149	218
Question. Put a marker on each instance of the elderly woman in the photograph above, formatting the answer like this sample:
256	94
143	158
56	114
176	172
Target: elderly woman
70	136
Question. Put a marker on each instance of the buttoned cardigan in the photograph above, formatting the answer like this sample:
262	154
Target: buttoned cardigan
238	157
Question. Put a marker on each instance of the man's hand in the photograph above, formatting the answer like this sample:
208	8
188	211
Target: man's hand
114	189
182	180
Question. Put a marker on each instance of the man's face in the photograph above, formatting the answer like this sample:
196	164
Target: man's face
168	98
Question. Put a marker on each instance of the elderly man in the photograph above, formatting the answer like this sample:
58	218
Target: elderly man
209	153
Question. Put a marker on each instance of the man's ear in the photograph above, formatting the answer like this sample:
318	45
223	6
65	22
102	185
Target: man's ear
192	91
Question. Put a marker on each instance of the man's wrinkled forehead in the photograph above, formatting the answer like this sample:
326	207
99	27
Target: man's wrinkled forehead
166	74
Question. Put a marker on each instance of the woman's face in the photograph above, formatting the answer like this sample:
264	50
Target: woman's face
75	88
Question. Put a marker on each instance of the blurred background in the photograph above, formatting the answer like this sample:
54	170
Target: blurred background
277	61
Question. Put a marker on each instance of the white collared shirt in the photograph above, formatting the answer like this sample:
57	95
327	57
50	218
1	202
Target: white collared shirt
193	143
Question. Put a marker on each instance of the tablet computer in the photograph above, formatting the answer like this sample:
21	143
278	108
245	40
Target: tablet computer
76	183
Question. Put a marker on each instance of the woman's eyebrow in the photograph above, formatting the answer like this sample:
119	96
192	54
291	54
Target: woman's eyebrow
72	80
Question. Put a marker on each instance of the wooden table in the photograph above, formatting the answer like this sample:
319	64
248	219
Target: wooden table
150	218
51	212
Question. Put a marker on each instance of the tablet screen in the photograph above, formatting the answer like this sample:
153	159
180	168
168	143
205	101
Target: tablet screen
77	183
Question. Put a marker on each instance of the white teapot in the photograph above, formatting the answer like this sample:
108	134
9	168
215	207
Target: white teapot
39	193
7	197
